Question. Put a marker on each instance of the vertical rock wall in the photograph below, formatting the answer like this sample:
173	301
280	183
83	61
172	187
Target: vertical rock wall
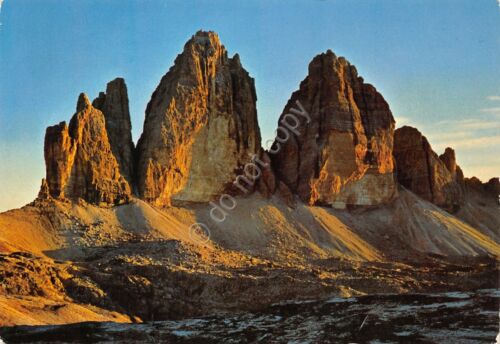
200	127
344	155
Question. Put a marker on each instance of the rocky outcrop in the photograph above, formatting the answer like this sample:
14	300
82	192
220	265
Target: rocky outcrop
200	127
435	179
450	161
114	105
44	192
79	161
490	189
59	151
343	156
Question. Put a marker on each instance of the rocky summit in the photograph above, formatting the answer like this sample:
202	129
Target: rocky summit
340	206
80	163
437	179
200	127
343	156
114	105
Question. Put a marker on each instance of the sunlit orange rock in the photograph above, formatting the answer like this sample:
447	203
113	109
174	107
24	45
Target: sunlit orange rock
200	128
79	160
343	156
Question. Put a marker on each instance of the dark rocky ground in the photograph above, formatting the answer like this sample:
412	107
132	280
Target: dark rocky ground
452	317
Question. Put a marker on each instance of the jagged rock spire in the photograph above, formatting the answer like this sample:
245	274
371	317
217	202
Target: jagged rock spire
344	155
200	126
83	102
114	105
79	160
435	179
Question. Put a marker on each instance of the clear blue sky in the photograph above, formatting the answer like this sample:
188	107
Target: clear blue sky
437	63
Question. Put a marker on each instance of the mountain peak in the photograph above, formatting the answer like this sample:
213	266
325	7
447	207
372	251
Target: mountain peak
436	179
343	157
83	102
79	160
205	107
204	41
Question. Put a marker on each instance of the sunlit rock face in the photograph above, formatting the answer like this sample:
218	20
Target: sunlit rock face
343	156
200	127
437	179
79	161
114	105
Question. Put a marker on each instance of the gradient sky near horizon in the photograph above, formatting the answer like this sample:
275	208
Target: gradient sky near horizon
437	63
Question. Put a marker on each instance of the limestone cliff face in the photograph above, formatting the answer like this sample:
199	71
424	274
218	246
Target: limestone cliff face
344	155
200	127
79	160
436	179
114	105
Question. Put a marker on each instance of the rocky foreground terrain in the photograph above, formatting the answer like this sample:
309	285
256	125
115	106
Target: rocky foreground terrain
198	220
411	318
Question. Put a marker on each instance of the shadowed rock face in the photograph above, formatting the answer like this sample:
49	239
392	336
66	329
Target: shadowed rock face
200	127
114	106
493	187
79	160
490	189
344	155
435	179
267	182
450	161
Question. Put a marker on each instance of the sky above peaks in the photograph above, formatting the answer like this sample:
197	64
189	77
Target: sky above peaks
437	63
